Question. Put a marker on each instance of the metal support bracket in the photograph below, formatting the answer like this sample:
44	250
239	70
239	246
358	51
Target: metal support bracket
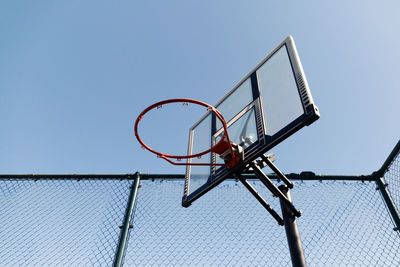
289	211
261	200
274	190
277	171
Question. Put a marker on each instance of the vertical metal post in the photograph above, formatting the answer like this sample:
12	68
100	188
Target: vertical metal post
389	203
292	232
127	222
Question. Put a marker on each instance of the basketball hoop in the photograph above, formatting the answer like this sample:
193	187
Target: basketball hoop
222	147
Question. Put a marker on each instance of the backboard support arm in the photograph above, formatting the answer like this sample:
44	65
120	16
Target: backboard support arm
289	211
272	187
261	200
280	174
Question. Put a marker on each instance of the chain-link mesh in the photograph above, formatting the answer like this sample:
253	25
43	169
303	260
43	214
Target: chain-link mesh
392	178
77	223
343	224
61	222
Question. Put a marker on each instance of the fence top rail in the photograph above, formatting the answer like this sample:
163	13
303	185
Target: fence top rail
307	175
385	166
292	176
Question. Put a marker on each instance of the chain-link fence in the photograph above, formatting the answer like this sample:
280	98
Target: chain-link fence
60	222
78	221
343	224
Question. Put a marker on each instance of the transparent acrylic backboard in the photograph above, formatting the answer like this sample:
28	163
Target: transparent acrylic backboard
268	105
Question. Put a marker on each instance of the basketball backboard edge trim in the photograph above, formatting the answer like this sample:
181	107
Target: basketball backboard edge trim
311	114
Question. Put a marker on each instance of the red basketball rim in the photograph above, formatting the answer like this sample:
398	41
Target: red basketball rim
167	157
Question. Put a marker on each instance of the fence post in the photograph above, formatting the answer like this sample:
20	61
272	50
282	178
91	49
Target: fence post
389	203
378	175
127	222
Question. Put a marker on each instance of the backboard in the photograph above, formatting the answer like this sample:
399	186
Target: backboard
268	105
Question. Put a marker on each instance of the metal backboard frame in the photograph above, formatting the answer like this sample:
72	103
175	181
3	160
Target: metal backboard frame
294	108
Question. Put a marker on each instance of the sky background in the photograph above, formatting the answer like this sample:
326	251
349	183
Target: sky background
74	75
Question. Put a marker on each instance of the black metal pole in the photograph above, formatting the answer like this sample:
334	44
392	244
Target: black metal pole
389	203
292	231
127	222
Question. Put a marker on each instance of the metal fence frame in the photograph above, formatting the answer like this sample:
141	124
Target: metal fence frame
377	177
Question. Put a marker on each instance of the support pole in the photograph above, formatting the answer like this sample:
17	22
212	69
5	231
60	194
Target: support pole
292	231
389	203
127	222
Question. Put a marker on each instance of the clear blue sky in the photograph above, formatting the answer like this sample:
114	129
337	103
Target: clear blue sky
74	75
